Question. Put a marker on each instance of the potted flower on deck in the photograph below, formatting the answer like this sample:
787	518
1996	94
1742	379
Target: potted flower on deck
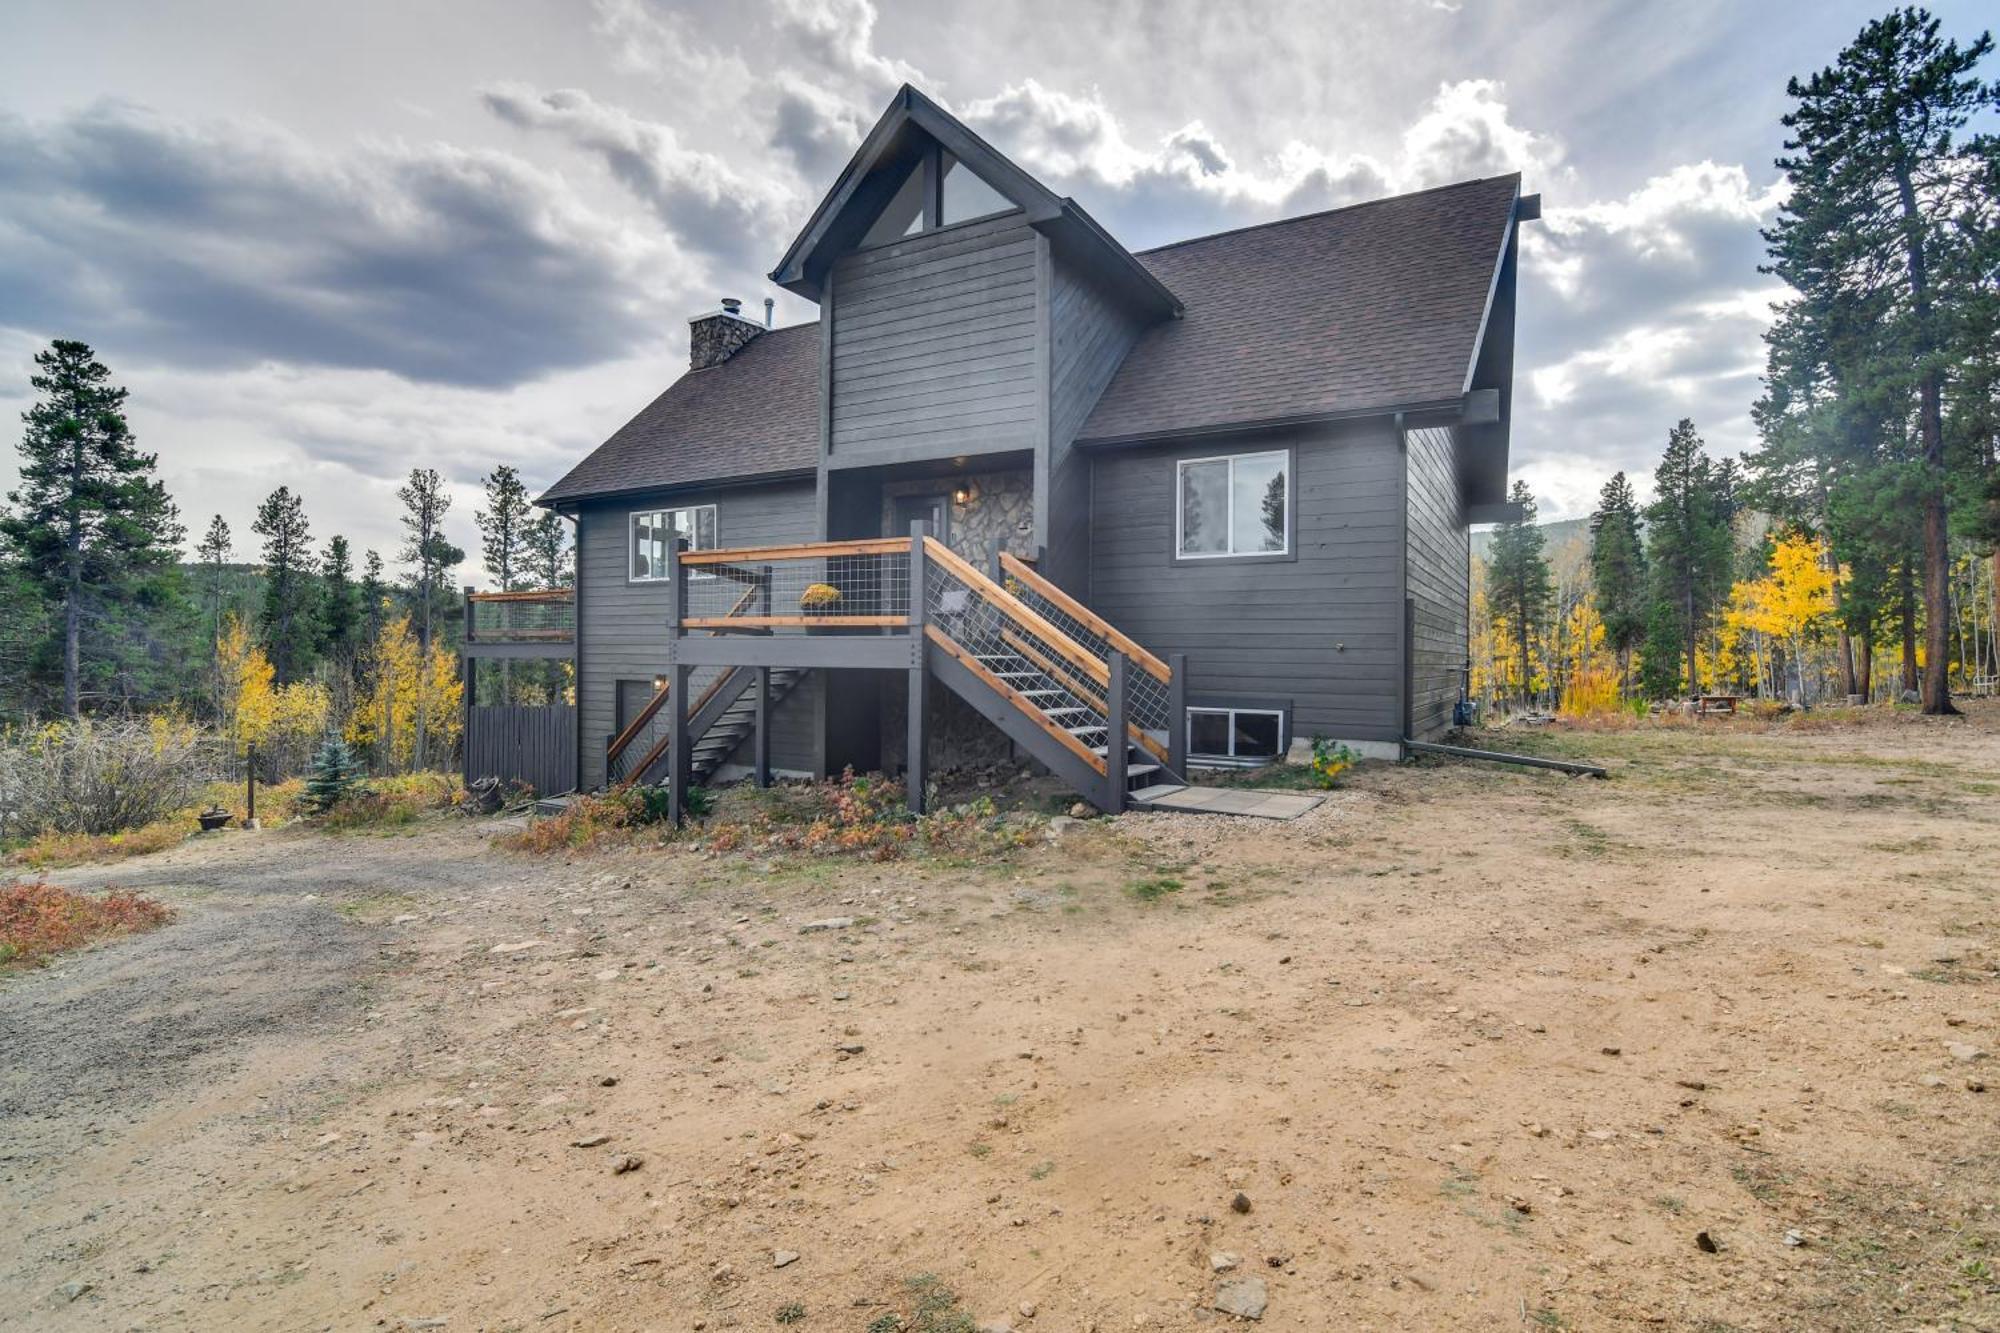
821	601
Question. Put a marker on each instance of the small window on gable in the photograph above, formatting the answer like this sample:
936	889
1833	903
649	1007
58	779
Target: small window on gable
966	195
653	533
904	214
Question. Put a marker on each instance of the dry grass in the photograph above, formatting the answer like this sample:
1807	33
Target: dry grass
39	919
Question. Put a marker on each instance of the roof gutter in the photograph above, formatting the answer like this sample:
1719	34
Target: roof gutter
569	500
1474	408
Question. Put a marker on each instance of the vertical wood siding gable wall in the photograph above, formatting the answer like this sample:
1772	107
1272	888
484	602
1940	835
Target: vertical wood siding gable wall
1090	333
623	624
934	344
1324	630
1440	571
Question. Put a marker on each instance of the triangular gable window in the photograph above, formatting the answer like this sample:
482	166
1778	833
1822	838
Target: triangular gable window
966	194
904	215
938	191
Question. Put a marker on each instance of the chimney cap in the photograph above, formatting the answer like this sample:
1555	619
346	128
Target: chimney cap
732	305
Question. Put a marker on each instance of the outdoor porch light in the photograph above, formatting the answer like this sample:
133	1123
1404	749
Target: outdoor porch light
964	494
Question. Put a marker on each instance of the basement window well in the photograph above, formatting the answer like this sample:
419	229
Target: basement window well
1234	736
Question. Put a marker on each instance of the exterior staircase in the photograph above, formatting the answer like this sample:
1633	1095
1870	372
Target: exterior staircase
1093	705
724	714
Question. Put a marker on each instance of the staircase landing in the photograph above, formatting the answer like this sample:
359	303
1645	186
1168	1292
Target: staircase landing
1226	801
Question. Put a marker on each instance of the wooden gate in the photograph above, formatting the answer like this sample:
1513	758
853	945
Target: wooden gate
534	745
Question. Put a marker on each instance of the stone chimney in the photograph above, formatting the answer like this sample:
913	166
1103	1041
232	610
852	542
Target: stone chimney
720	334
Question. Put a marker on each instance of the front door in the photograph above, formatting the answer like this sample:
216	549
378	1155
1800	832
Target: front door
932	509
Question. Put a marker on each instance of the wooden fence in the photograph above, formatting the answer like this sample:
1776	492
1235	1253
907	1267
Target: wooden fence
535	745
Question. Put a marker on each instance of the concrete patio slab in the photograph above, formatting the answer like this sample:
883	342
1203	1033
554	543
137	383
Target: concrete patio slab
1250	802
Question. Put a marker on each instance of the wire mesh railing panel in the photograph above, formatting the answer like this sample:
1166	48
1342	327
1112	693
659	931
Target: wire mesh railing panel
1148	699
1038	668
834	583
524	616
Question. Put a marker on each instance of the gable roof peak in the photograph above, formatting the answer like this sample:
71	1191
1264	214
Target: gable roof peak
910	126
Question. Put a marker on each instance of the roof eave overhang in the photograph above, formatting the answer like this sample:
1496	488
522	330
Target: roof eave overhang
1465	409
568	502
1485	445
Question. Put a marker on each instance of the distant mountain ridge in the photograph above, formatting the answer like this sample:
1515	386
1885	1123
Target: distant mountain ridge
1554	535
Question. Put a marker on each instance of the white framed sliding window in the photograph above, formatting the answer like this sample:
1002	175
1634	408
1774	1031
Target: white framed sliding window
652	532
1235	735
1233	506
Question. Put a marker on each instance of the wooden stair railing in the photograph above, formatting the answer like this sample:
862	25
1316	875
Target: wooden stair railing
1077	661
637	726
1070	664
665	743
1143	657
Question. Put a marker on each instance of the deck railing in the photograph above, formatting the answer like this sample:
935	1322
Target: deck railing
854	584
541	615
1149	686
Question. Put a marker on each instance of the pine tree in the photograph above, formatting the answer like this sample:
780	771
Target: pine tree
374	598
426	551
431	559
1690	529
1517	580
1618	570
548	555
340	604
503	529
1879	182
334	775
213	553
90	526
289	617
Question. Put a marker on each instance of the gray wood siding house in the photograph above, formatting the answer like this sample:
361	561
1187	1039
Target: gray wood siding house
1254	455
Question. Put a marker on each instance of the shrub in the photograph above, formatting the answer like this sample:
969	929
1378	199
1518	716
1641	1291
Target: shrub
38	919
1331	759
587	821
98	777
334	777
395	802
864	815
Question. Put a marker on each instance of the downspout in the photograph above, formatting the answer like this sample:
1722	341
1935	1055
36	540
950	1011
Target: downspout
1403	686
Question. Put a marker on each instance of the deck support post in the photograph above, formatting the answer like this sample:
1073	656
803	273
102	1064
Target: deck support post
1115	744
468	692
762	775
679	676
678	768
1177	716
916	767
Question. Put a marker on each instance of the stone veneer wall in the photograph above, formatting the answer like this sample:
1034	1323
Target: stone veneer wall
1002	509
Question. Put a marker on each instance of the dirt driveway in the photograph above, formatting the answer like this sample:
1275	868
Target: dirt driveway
1465	1048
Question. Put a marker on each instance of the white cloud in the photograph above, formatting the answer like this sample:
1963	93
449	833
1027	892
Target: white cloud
709	207
226	245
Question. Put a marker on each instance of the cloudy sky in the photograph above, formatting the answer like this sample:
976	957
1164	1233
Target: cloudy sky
324	243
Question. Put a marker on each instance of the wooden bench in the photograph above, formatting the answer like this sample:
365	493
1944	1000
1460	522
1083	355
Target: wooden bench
1705	704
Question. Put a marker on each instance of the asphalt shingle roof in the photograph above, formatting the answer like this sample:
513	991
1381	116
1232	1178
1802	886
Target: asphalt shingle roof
756	414
1372	306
